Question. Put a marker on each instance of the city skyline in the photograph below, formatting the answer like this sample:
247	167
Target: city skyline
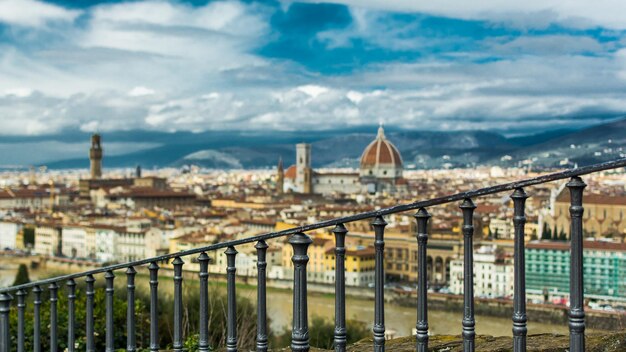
197	66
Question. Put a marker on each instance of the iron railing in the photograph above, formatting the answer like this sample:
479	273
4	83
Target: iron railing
300	242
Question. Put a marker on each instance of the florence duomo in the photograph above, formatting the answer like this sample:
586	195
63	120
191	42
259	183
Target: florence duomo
380	170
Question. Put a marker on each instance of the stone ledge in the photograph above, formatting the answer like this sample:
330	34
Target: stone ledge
596	342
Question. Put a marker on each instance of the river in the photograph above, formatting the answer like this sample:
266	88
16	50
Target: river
397	318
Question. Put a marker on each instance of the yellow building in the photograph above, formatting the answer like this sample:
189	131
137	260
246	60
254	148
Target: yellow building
604	216
359	266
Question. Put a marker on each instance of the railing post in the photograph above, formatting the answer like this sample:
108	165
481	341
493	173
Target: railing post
519	279
231	338
261	334
379	284
71	312
300	330
576	311
340	232
54	344
5	335
37	319
421	327
21	306
109	277
178	304
469	323
203	275
130	309
154	309
89	323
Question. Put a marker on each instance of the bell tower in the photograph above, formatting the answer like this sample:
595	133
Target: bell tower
280	177
303	168
95	157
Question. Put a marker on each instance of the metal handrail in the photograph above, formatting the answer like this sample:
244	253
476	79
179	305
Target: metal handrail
342	220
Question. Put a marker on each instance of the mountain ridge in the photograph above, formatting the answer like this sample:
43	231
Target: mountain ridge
343	148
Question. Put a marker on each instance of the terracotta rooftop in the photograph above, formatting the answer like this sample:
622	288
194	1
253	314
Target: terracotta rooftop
381	151
594	198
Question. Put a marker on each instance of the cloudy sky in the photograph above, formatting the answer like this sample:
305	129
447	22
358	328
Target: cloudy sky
173	65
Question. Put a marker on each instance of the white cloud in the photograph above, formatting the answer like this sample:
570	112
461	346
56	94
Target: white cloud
168	66
33	13
140	91
530	13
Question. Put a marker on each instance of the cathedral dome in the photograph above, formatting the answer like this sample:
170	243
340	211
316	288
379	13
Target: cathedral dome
381	152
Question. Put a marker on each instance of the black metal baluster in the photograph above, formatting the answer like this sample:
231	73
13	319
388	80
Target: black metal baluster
178	304
468	275
379	281
71	314
109	277
5	335
37	319
54	344
131	345
203	340
261	264
519	279
576	310
421	337
89	323
340	232
154	309
21	306
231	325
300	330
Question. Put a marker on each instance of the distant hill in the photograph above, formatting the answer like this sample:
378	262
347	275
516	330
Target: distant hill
419	149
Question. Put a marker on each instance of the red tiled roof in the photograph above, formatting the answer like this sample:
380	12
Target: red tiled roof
594	198
291	172
381	151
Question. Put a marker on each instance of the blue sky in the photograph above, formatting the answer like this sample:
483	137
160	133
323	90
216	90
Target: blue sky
167	65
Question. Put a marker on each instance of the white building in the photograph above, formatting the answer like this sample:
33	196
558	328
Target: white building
48	239
9	231
105	238
501	228
74	242
493	273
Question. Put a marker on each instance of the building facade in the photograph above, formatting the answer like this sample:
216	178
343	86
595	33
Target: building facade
604	265
48	239
493	273
9	234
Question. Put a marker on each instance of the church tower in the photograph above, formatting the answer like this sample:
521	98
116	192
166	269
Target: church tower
95	157
280	177
303	168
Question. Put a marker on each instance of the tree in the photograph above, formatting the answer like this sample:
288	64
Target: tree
546	234
562	235
29	237
321	333
22	275
555	234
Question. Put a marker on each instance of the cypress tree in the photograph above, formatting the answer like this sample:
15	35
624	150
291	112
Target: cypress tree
562	235
22	275
546	234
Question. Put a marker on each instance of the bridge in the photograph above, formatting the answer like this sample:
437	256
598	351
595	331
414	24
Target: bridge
300	242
